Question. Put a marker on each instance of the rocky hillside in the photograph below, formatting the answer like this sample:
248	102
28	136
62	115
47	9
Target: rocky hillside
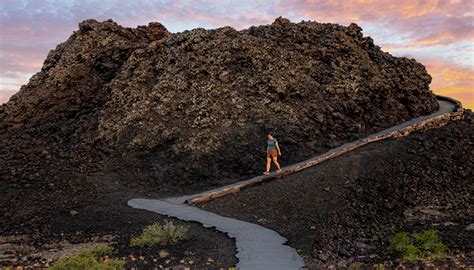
115	108
74	75
200	102
47	130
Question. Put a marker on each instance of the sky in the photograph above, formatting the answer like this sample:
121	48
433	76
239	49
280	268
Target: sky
437	33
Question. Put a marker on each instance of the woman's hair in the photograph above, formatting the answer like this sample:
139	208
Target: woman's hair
270	133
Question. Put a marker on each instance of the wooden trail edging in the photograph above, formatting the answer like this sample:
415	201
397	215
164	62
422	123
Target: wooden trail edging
431	122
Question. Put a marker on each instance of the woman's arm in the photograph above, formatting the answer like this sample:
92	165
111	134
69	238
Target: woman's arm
278	148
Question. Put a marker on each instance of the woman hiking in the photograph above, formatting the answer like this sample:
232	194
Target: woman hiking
272	150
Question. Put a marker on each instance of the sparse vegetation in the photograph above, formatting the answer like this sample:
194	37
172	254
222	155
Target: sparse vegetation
91	258
418	246
157	234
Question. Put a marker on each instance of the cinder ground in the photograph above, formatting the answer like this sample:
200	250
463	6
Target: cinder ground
347	209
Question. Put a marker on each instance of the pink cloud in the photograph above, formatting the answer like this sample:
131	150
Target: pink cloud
6	94
20	59
29	28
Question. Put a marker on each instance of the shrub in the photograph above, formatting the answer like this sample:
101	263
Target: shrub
429	245
418	246
157	234
90	258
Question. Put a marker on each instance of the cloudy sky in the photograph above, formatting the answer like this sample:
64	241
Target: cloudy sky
438	33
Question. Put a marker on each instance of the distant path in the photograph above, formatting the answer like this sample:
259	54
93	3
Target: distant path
259	247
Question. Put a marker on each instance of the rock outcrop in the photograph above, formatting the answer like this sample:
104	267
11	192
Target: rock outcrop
48	146
185	111
201	101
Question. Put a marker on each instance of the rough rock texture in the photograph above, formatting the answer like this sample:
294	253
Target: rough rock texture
346	210
47	130
118	112
198	104
47	140
73	75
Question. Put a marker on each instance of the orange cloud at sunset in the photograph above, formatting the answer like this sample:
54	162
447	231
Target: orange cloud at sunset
452	80
437	33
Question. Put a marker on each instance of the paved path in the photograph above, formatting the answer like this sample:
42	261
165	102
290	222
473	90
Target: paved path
257	246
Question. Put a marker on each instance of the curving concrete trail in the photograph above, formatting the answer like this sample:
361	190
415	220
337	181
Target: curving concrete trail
257	246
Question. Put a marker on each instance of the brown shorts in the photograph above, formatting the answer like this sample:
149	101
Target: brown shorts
272	153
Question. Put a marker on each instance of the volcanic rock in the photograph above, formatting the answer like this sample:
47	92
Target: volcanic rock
116	109
199	103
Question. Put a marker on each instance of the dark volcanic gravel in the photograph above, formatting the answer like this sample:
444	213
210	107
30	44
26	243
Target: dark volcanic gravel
347	209
117	113
107	214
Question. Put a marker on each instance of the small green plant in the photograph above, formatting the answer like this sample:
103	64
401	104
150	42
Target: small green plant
418	246
157	234
90	258
429	245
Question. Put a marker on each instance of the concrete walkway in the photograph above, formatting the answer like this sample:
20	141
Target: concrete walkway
259	247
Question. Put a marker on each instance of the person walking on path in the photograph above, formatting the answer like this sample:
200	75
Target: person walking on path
272	150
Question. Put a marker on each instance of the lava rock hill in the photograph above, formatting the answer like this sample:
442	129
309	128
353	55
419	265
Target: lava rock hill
173	113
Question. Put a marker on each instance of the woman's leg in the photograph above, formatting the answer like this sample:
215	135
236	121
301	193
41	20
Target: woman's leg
275	160
269	160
